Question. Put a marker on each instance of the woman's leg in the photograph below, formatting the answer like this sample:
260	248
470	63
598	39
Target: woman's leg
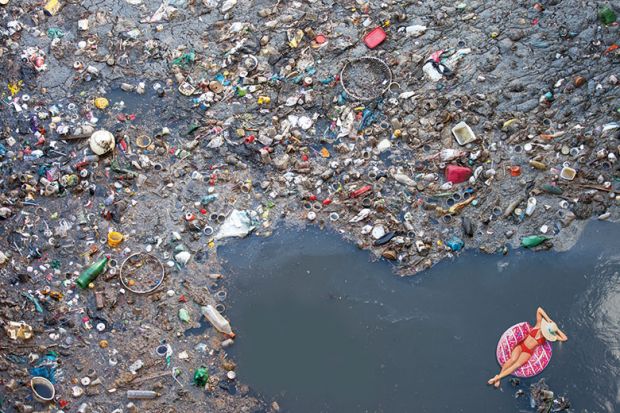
523	358
514	356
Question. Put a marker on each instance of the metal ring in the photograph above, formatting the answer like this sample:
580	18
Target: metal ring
220	307
143	141
161	279
334	216
255	62
221	295
392	84
361	59
207	230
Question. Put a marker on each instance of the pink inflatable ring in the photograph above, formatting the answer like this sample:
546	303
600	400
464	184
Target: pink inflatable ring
509	340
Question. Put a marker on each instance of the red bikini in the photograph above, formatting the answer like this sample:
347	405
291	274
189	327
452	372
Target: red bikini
532	334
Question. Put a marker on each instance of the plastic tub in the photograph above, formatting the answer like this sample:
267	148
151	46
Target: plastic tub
463	133
568	173
114	239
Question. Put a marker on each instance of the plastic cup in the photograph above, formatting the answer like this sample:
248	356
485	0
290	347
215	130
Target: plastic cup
114	239
42	389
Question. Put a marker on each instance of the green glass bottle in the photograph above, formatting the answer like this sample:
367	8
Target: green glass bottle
607	15
533	240
552	189
92	272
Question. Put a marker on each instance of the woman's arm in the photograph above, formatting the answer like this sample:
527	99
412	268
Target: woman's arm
540	314
561	335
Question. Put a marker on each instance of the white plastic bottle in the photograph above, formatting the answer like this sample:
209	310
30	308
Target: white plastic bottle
218	321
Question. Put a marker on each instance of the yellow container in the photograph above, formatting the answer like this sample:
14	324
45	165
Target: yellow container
101	103
52	7
114	239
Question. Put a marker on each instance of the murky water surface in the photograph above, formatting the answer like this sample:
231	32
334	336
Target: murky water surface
321	329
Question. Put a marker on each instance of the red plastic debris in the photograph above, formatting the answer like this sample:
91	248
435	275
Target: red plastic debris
361	191
320	39
304	157
327	201
457	174
312	198
375	37
611	48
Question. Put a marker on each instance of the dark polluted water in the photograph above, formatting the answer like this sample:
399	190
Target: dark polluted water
322	329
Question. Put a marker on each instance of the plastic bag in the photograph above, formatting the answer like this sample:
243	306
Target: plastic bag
238	224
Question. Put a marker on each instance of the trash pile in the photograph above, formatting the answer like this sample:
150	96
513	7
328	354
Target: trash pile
136	137
543	399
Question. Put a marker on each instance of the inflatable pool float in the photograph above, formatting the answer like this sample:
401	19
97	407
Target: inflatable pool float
509	340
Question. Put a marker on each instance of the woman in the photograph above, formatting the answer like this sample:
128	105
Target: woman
544	330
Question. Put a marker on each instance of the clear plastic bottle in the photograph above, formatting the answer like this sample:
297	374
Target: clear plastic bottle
218	321
141	394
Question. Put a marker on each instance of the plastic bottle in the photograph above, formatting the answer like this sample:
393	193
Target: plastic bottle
607	15
533	241
450	154
218	321
91	273
361	191
531	206
141	394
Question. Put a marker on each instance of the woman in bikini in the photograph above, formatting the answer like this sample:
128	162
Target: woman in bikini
545	330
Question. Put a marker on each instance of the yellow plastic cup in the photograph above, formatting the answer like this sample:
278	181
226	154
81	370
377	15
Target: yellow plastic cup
114	239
